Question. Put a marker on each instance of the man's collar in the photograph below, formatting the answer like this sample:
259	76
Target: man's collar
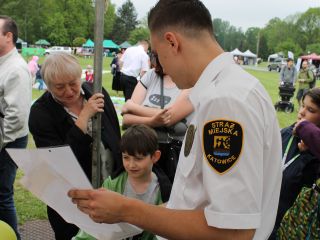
210	74
7	55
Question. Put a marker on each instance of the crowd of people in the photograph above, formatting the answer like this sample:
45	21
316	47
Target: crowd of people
201	156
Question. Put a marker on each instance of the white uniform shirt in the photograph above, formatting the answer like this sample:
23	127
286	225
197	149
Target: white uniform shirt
245	194
135	60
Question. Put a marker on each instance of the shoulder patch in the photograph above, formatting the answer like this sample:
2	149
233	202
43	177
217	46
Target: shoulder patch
222	144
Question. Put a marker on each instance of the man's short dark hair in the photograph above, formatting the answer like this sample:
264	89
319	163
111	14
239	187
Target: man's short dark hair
10	26
139	140
190	16
289	60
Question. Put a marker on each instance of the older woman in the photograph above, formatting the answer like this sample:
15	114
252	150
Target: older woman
62	116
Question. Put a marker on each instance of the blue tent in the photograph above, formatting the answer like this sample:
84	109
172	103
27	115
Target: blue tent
110	44
125	45
89	44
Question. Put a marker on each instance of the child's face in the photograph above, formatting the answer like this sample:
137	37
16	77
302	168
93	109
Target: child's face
138	166
309	111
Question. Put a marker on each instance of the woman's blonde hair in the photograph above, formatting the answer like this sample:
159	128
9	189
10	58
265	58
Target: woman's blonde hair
60	65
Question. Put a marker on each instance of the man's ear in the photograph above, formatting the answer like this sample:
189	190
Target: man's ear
172	41
156	156
9	36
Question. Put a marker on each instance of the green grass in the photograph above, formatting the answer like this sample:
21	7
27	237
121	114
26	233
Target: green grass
28	207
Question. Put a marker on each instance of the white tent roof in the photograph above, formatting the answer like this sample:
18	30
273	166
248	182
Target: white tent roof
237	52
248	53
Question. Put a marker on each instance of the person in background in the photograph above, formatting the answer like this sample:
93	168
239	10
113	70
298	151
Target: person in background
115	71
15	102
63	116
33	67
305	77
140	178
228	178
300	166
89	74
39	79
134	63
288	73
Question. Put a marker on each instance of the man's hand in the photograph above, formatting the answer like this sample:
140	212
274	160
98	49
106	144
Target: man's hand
101	205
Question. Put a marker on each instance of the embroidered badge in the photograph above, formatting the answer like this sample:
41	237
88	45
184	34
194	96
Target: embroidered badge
222	144
189	140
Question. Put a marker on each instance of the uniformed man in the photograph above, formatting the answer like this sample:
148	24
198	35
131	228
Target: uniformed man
228	178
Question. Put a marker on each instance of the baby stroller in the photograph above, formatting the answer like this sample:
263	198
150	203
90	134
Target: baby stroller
286	92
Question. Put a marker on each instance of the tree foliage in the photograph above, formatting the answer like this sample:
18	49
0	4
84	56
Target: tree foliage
78	42
125	22
139	34
65	22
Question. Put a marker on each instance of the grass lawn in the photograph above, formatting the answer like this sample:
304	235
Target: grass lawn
28	207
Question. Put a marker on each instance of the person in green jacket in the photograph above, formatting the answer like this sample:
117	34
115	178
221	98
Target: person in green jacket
305	77
140	178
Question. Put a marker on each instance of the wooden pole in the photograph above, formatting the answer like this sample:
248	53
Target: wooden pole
100	6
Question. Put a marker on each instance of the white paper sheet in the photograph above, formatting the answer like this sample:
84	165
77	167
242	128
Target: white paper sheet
49	173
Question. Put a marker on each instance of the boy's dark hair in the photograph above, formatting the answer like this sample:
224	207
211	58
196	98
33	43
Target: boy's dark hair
139	139
314	94
190	16
10	26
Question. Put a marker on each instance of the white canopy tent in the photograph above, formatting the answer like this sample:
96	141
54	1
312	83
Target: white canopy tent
249	57
249	54
245	58
237	52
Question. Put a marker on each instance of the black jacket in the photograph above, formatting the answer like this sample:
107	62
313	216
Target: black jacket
51	125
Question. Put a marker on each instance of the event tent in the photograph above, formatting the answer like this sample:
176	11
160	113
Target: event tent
125	45
42	42
89	44
246	57
237	52
312	56
110	44
249	54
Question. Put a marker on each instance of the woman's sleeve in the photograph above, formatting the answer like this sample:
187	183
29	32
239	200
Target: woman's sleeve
45	132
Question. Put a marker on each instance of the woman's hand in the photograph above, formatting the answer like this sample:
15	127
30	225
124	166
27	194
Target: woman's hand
126	108
161	119
91	107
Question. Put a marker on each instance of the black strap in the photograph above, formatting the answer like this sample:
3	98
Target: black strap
161	94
